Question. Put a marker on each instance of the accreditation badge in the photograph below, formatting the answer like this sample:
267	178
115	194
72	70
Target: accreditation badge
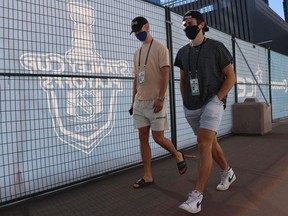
141	77
194	87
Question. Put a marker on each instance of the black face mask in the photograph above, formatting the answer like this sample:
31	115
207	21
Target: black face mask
192	31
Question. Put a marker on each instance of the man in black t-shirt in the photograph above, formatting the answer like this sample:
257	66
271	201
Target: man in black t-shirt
206	78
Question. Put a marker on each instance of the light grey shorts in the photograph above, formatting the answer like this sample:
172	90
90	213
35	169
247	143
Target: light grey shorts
143	115
208	117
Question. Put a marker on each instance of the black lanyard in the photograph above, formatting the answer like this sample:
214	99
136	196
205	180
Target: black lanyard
197	59
146	55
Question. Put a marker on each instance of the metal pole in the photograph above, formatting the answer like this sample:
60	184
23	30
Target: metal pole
234	66
171	80
270	82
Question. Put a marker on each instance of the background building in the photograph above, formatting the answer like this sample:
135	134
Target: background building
285	6
250	20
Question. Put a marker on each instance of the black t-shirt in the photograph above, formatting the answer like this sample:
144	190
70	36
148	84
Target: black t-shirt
213	58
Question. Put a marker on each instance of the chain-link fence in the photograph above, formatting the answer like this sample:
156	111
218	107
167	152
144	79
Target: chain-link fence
66	76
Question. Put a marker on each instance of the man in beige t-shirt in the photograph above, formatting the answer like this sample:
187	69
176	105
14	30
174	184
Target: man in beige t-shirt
151	68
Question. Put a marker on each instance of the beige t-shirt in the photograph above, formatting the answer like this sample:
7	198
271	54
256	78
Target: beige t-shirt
158	57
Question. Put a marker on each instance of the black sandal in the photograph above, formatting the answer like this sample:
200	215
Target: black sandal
182	167
142	183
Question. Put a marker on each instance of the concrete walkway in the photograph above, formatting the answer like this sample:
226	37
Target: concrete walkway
261	188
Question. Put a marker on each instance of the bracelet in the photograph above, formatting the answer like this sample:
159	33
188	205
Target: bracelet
161	98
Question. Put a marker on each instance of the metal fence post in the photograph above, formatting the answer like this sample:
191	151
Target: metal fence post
234	66
270	82
171	80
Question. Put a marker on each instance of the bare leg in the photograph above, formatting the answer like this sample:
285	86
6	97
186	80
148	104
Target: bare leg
218	155
145	152
165	143
205	140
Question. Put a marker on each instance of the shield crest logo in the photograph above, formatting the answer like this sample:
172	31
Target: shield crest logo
82	122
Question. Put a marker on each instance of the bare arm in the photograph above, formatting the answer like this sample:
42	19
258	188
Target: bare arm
133	94
182	83
228	83
158	105
165	79
134	89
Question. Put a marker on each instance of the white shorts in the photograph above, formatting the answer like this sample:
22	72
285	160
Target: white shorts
208	116
143	115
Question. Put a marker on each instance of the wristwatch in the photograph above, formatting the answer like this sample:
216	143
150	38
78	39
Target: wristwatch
161	98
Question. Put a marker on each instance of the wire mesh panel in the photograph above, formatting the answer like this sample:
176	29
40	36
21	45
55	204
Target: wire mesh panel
252	72
66	78
66	86
279	85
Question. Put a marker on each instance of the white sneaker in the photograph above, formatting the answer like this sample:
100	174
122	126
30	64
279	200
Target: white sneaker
227	178
193	204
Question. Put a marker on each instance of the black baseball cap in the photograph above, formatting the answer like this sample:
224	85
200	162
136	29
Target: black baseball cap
197	15
137	23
